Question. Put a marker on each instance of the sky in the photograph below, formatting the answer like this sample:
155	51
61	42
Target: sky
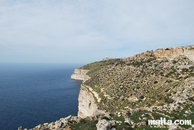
84	31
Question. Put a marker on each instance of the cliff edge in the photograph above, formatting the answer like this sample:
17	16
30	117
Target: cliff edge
87	99
125	93
80	74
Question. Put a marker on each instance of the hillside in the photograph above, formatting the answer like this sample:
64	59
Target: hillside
159	82
144	80
125	93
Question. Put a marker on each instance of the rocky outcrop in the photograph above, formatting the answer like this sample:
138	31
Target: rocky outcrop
103	125
80	74
171	53
62	124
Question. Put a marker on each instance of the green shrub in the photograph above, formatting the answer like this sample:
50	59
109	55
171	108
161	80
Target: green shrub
85	125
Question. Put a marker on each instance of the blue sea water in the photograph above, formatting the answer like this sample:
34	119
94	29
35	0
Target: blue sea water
32	94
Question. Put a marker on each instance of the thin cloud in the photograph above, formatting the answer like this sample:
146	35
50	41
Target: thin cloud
89	30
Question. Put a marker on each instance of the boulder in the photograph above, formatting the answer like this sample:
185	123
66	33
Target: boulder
103	125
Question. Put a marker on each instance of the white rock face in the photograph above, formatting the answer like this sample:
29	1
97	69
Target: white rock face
87	99
87	103
103	125
80	74
172	53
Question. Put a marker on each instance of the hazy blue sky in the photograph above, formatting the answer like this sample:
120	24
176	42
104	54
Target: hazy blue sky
82	31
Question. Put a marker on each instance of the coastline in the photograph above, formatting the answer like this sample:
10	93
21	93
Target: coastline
80	75
123	110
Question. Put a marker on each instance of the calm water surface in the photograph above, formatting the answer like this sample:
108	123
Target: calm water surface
31	94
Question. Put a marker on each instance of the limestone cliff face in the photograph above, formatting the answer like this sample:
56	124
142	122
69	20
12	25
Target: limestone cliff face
87	103
171	53
80	74
168	53
87	97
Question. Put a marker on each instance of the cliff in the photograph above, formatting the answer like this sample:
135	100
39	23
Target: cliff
172	53
87	105
156	82
80	74
143	80
125	93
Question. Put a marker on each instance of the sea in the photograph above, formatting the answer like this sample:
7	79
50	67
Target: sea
32	94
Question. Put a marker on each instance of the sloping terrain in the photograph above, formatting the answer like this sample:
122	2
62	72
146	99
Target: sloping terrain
130	91
144	80
156	83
